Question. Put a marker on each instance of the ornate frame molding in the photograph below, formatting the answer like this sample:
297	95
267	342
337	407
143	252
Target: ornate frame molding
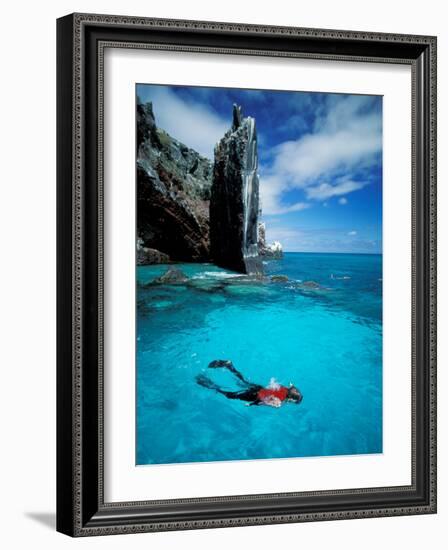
81	42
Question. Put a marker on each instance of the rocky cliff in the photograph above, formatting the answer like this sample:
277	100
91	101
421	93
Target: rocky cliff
234	201
173	194
272	251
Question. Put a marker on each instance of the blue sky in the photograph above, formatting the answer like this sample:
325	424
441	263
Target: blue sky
320	158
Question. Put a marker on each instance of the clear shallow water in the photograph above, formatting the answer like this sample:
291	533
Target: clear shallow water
328	342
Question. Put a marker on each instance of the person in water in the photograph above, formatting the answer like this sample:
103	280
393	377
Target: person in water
274	395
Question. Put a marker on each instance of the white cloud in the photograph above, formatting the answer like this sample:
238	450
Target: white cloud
314	155
342	200
352	233
271	189
189	122
325	190
342	141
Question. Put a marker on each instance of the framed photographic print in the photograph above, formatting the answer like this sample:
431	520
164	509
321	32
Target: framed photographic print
246	274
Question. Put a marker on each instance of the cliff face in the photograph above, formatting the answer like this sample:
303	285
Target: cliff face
173	194
234	201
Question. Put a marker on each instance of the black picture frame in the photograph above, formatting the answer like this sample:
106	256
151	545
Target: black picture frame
81	510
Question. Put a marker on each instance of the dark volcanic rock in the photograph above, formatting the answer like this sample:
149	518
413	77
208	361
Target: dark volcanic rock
173	193
147	256
272	251
311	284
279	279
234	201
172	276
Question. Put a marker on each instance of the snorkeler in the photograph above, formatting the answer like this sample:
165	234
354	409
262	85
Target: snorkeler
274	395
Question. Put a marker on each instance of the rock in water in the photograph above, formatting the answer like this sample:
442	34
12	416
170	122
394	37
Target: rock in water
279	278
311	284
173	193
172	276
273	251
148	256
234	201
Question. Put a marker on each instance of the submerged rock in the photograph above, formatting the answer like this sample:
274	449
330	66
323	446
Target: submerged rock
234	201
207	285
172	275
311	284
246	289
279	278
173	193
273	251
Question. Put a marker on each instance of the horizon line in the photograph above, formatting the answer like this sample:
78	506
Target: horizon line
331	252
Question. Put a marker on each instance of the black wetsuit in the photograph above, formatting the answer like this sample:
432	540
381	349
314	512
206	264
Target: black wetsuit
250	393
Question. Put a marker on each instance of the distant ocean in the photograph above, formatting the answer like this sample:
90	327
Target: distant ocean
326	340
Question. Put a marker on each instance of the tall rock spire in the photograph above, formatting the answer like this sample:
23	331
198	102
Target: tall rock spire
234	203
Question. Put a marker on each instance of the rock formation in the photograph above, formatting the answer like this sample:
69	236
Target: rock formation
172	276
273	251
279	278
311	284
191	210
234	201
173	193
147	256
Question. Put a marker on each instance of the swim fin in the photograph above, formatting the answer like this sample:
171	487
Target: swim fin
205	381
227	364
221	363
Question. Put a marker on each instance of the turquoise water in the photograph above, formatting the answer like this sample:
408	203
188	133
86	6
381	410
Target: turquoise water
327	341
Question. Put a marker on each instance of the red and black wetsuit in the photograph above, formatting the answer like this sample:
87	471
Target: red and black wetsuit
257	394
253	393
280	393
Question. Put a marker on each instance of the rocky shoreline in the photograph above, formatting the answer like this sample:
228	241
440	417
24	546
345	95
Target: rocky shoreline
190	209
174	276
